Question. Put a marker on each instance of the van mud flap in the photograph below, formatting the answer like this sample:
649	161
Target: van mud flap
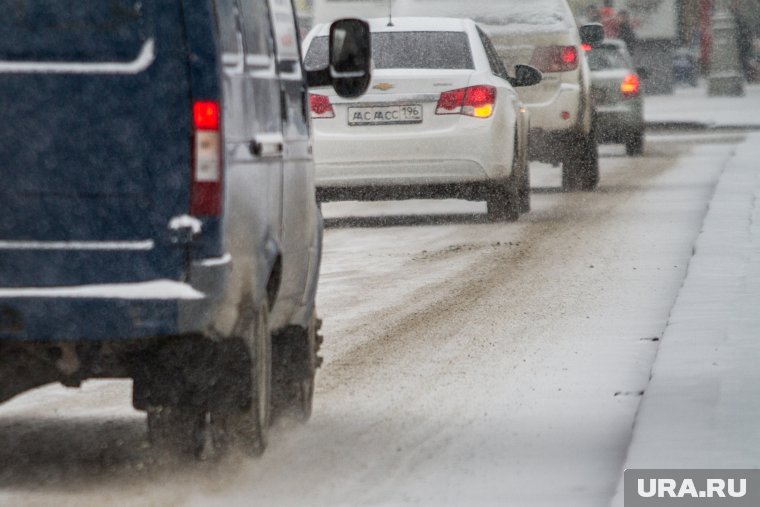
193	371
22	370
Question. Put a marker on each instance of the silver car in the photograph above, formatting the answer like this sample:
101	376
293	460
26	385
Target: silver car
616	90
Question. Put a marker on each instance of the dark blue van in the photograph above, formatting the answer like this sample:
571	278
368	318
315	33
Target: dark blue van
157	212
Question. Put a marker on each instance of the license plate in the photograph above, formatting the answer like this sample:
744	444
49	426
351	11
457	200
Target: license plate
385	115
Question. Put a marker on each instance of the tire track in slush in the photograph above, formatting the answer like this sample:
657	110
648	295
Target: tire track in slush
386	369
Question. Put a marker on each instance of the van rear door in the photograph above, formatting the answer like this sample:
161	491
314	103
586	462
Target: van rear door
95	150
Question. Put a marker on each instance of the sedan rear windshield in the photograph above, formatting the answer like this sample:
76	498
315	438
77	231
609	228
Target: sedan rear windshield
406	50
73	30
607	58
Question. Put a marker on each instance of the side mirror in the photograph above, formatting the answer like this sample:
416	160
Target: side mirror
350	59
525	75
642	72
592	34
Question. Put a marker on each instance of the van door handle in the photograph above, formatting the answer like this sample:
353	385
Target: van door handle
267	145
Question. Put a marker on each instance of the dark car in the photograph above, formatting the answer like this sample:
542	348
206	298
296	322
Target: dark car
158	219
616	90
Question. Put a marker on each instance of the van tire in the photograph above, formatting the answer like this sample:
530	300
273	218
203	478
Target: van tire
294	366
177	430
246	424
580	169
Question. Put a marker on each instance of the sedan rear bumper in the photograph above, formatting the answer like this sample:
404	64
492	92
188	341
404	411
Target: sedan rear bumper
474	191
617	123
472	150
548	115
399	173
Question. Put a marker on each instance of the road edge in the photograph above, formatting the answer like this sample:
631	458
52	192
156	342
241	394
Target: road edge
694	413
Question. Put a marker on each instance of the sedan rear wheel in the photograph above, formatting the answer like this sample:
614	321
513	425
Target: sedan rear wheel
506	199
634	145
503	201
580	169
525	182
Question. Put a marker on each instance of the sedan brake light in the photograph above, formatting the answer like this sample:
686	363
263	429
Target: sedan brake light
320	106
630	86
555	58
451	102
477	101
206	188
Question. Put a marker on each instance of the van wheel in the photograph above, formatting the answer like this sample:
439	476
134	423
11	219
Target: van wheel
634	145
247	423
580	170
177	430
295	362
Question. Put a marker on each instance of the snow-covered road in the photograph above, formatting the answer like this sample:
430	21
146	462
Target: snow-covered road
466	363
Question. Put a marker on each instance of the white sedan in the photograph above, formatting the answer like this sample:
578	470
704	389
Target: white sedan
441	119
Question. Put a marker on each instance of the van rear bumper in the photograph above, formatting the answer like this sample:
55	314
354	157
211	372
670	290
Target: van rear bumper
115	312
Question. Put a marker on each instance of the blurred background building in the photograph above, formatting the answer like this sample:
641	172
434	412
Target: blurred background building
672	39
679	31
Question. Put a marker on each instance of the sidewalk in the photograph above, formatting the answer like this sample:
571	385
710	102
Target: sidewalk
691	107
702	406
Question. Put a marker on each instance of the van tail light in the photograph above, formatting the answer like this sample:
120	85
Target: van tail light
320	107
586	47
476	101
555	58
206	191
630	86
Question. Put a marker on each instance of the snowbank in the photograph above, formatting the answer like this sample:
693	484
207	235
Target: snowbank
702	406
693	105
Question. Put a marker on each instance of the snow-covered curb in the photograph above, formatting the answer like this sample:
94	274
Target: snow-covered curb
692	108
702	406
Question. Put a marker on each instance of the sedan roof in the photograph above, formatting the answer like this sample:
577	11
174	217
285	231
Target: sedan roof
612	44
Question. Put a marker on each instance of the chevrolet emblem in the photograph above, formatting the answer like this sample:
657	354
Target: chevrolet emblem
384	87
